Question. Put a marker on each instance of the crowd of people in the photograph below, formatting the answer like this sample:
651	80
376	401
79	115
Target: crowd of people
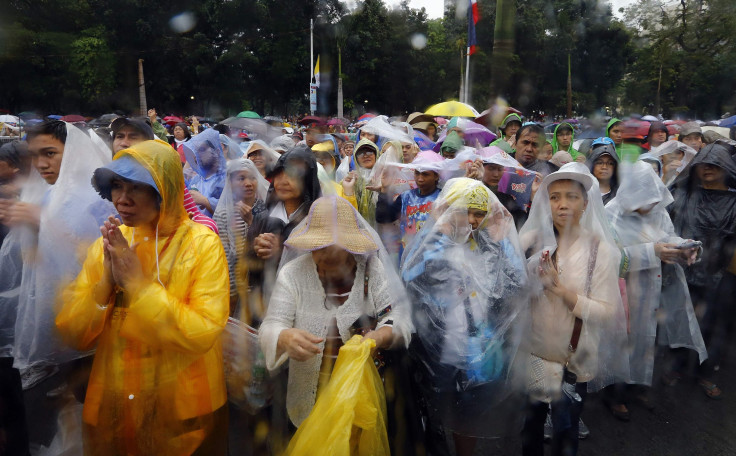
185	281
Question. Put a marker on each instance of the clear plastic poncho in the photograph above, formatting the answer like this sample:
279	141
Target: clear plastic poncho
71	215
601	358
672	146
230	148
657	292
299	299
269	156
469	308
204	154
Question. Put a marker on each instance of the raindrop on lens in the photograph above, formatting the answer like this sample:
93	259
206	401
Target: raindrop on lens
418	41
183	22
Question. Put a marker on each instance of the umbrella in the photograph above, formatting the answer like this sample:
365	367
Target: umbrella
364	118
475	134
54	116
650	118
636	128
72	118
103	121
6	118
172	120
452	109
248	115
728	123
335	121
256	128
440	120
591	133
423	141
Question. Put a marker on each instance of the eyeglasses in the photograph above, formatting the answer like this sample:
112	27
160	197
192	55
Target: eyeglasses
365	152
608	163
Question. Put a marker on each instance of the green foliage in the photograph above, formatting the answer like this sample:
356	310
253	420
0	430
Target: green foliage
67	56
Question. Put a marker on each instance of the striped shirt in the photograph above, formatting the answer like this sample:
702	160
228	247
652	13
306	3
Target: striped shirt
191	207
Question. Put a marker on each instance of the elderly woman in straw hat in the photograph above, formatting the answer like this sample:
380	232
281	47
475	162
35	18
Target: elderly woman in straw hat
333	284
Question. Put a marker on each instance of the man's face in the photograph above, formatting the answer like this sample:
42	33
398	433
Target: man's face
492	174
125	138
527	147
694	140
564	138
658	137
46	154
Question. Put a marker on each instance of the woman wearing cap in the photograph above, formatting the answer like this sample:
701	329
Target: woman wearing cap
261	155
465	274
603	164
152	298
244	198
578	327
295	185
615	131
335	282
705	209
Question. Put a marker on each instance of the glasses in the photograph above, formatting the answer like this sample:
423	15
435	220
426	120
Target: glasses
608	163
365	152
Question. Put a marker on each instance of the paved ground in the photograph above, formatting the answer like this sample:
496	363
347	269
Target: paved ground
685	422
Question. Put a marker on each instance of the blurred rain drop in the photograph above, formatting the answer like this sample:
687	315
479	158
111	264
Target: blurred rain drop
418	41
183	22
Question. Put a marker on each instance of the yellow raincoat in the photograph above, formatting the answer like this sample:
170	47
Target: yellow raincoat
157	378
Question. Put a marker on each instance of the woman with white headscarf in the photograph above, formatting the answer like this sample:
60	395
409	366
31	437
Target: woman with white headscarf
243	198
655	281
578	336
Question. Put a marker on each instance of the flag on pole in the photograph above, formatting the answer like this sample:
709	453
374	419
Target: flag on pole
316	72
473	16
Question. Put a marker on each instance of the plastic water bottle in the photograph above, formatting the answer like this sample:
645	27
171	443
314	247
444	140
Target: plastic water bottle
256	391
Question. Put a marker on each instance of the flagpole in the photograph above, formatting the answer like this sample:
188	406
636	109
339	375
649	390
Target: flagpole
467	77
311	55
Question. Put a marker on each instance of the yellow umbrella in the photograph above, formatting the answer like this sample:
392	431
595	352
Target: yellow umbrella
452	109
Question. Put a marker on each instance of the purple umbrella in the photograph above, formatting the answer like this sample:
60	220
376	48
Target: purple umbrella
423	140
476	135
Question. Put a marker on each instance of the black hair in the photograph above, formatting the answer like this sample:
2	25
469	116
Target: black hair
184	127
564	127
534	128
15	153
222	128
55	128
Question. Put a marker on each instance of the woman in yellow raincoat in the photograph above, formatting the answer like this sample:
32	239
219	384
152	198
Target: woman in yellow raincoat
152	297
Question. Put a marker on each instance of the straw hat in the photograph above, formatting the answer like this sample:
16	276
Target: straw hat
332	221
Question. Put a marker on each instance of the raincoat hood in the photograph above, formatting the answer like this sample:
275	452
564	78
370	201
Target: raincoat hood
556	144
164	167
508	119
611	123
640	187
712	154
453	141
207	141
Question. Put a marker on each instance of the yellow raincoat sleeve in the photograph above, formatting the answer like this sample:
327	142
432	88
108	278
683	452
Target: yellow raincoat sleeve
341	193
81	319
158	318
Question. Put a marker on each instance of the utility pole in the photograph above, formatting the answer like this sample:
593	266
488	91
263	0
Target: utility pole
467	77
312	87
339	82
142	89
659	87
503	46
569	88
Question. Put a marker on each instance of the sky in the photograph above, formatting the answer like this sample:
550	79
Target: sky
435	8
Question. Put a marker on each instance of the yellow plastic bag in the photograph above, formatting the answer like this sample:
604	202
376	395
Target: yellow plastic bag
349	417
